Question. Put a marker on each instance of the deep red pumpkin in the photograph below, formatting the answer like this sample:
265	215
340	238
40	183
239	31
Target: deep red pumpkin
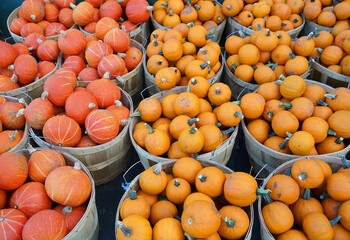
11	224
111	9
13	171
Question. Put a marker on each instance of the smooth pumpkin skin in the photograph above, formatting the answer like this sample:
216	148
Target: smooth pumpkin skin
175	151
272	107
323	112
212	137
187	103
191	141
340	233
168	228
187	168
344	211
329	145
292	234
140	227
157	142
14	170
229	114
3	198
269	91
284	121
252	105
139	133
338	122
150	109
197	196
135	205
219	93
200	219
215	236
317	127
241	224
150	199
179	124
153	181
71	215
210	181
301	143
283	188
330	207
12	226
177	190
168	106
292	87
302	108
278	217
275	142
317	226
313	171
162	209
338	186
259	129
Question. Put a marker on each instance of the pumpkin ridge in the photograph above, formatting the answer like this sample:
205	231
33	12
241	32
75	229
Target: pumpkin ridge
68	128
39	169
72	135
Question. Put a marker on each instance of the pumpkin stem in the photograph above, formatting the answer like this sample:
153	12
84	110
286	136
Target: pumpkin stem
316	34
106	75
171	12
133	195
39	41
269	114
11	67
122	55
267	199
30	148
30	49
254	67
164	4
335	220
284	144
91	105
283	24
149	8
16	206
239	114
287	105
331	9
77	166
177	217
302	176
163	80
14	78
189	237
202	178
44	95
155	35
72	5
292	56
288	172
193	130
335	2
249	15
176	183
20	113
330	95
229	222
268	33
331	132
324	195
345	162
136	114
204	65
274	66
160	52
339	140
191	24
188	2
192	121
160	62
258	27
63	33
231	129
217	90
203	51
271	134
322	103
306	195
229	7
218	124
197	7
118	103
67	210
193	81
278	36
311	61
126	231
150	129
209	36
33	16
123	122
260	191
13	135
234	66
295	20
2	219
157	169
311	34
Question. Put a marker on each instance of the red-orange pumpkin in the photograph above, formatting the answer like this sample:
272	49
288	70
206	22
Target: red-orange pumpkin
9	117
83	13
66	17
88	74
9	139
33	10
74	63
113	64
71	41
96	51
8	54
26	68
48	50
6	84
13	171
117	39
68	186
58	88
11	223
53	29
111	9
137	11
72	215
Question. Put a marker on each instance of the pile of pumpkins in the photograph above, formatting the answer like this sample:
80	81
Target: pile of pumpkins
11	125
185	124
65	109
177	55
125	14
292	118
40	197
311	197
177	13
265	56
274	15
199	202
24	63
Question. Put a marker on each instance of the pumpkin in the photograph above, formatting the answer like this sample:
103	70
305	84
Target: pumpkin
42	162
149	110
207	118
134	205
204	210
292	87
252	105
249	54
17	24
153	180
301	107
74	63
120	112
307	173
162	209
9	116
9	139
277	216
68	74
30	28
16	170
197	68
341	11
33	11
210	181
166	225
111	9
139	133
187	103
339	232
272	107
191	141
175	151
219	93
330	207
198	35
331	55
104	91
165	78
48	50
62	131
157	142
133	57
269	91
283	188
112	64
186	168
117	39
284	122
44	68
241	189
72	215
3	198
229	114
177	190
88	74
134	227
45	224
292	234
199	86
30	199
234	222
71	41
101	126
330	144
83	13
150	199
312	226
96	51
74	188
79	105
11	222
232	7
337	99
343	212
138	11
26	69
317	127
259	129
57	88
337	122
337	186
53	29
297	65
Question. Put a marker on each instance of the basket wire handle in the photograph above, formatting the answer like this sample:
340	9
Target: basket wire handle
8	39
256	176
239	95
229	139
149	88
126	184
26	94
31	136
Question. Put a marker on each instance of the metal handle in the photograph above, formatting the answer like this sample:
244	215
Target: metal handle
126	184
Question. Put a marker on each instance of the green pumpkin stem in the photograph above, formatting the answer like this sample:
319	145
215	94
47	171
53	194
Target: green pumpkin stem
234	66
335	220
239	114
324	195
302	176
345	162
306	195
229	222
267	199
193	81
197	7
192	121
133	195
316	34
217	91
274	66
161	198
195	156
283	24
126	231
309	37
271	134
203	51
284	144
150	129
188	236
177	217
287	105
164	4
330	95
331	132
278	36
204	65
160	52
155	43
191	24
67	210
171	12
311	61
218	124
202	178
295	20
231	129
260	191
292	56
269	114
339	140
155	35
193	130
188	2
157	169
2	219
288	172
322	103
160	62
258	28
176	183
268	33
136	114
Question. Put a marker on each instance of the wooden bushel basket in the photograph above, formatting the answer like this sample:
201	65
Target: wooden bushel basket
105	161
167	168
87	228
149	78
19	39
232	26
334	162
260	155
329	77
221	155
310	26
